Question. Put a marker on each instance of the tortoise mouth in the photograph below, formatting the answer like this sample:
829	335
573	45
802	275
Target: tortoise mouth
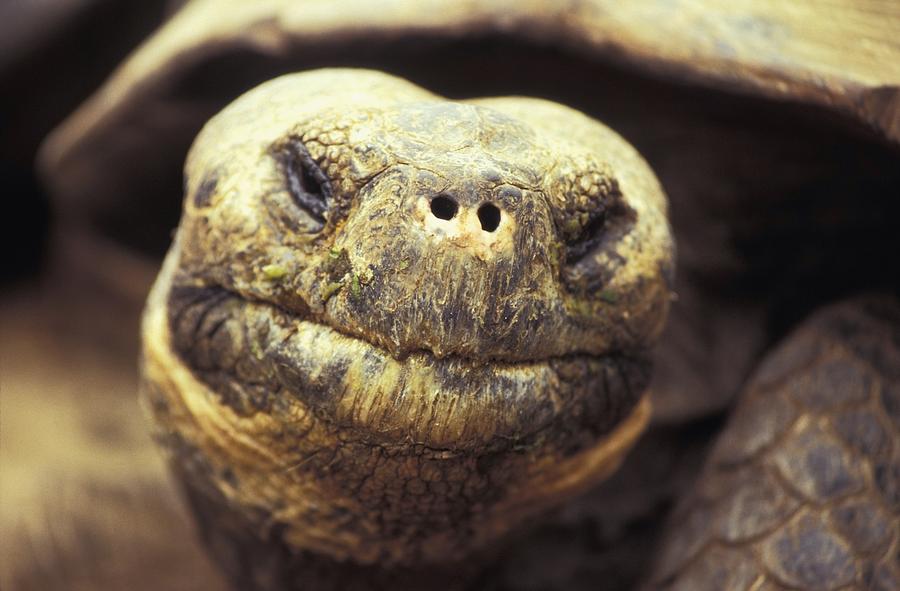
258	357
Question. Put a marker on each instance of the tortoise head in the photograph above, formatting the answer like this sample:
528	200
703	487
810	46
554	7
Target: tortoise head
395	325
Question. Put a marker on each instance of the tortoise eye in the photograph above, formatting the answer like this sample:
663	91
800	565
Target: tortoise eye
307	184
588	237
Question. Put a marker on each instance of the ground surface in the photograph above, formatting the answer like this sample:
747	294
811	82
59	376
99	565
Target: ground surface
75	458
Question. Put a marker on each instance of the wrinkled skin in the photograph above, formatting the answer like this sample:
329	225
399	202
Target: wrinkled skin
392	327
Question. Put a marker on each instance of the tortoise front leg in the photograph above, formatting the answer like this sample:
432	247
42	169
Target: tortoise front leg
802	489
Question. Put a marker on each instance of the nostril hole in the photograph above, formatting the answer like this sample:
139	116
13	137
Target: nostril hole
443	207
489	216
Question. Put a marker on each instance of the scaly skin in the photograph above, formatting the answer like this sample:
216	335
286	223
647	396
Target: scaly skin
352	387
802	490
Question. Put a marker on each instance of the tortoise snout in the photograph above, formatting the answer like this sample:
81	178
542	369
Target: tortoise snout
482	226
445	207
455	269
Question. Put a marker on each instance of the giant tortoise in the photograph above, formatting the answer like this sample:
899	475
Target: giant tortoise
429	321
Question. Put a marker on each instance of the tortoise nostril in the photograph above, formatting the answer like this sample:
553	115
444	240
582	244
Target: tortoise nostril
443	207
489	216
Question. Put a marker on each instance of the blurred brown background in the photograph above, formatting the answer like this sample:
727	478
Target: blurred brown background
68	346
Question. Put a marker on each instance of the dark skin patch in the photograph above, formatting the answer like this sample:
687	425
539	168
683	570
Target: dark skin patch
337	265
204	193
203	328
604	229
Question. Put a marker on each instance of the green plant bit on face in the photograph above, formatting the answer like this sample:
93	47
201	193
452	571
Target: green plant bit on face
335	253
330	290
257	351
572	227
609	296
274	272
354	285
404	263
